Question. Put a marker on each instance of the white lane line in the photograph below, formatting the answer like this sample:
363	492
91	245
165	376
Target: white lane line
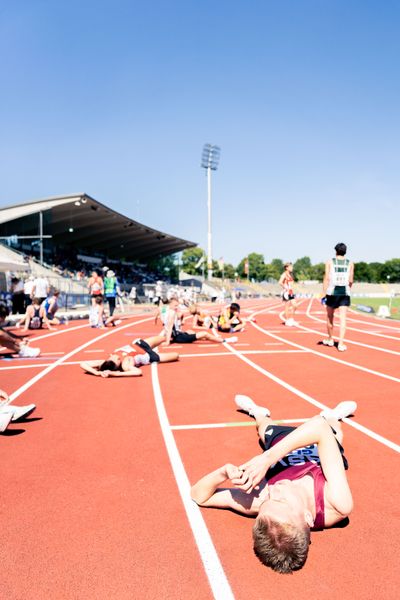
212	565
234	424
374	321
364	331
91	351
208	354
342	362
48	369
307	398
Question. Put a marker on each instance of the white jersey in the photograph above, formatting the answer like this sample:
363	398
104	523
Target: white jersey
339	276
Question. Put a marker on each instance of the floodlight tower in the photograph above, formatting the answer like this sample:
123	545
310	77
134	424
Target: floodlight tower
209	161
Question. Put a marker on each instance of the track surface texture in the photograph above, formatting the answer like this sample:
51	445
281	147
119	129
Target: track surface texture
95	484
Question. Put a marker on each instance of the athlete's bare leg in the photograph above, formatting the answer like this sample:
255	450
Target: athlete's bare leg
342	327
262	423
329	321
169	357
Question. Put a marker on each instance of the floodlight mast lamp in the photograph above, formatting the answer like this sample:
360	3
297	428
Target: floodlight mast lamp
209	161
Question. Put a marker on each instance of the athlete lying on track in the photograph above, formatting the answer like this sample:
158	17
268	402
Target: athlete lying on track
298	484
125	362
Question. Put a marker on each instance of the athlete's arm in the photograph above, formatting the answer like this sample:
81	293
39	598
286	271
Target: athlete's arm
326	277
315	431
281	279
168	328
91	366
133	372
207	493
44	317
351	274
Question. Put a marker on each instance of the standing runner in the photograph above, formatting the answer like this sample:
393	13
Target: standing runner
339	275
286	281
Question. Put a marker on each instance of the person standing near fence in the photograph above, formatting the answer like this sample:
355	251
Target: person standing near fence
111	288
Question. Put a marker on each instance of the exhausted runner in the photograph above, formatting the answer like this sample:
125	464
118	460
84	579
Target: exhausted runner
298	484
201	318
339	275
125	361
173	329
12	342
230	321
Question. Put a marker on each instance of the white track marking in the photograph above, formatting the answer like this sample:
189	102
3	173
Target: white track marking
342	362
207	355
212	565
48	369
389	337
227	425
375	321
307	398
91	351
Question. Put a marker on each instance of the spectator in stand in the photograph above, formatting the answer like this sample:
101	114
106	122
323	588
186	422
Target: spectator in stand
17	295
95	286
111	290
40	288
12	342
28	291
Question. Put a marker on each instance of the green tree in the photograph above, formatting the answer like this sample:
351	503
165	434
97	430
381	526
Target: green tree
190	258
361	271
318	271
302	268
274	269
257	268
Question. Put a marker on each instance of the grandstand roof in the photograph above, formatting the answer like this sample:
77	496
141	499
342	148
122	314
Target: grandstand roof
81	220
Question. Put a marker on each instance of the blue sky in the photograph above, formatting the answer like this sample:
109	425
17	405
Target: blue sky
116	99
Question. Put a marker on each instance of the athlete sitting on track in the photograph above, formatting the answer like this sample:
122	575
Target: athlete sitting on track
97	316
51	307
298	484
339	274
201	318
12	342
230	320
124	362
173	329
35	316
286	281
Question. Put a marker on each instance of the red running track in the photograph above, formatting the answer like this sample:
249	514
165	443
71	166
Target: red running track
90	504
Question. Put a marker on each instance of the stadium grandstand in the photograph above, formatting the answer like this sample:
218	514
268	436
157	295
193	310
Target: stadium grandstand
81	224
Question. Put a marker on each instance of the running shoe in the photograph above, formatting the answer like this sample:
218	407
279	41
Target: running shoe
328	342
248	405
289	323
341	411
231	340
341	347
20	412
5	418
28	352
